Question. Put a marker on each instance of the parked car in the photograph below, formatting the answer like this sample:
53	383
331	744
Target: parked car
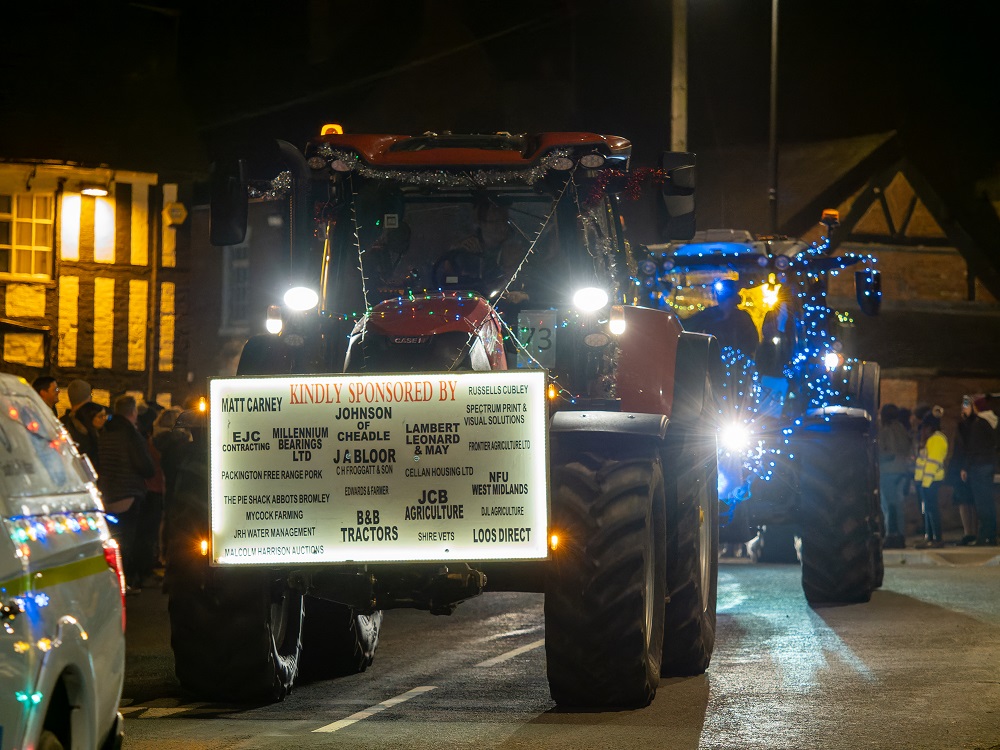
62	605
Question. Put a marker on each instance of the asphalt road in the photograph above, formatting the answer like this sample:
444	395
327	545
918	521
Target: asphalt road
917	667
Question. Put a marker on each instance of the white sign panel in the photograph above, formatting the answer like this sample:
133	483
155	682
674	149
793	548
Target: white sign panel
378	468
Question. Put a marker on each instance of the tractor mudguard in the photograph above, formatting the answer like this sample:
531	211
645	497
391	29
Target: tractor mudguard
571	427
837	418
698	361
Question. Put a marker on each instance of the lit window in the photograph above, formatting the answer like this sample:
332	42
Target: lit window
26	230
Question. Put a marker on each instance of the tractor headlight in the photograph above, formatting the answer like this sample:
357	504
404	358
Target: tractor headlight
273	322
301	298
590	299
735	438
616	322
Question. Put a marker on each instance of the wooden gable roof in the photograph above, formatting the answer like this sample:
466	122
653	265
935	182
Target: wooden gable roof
897	205
882	196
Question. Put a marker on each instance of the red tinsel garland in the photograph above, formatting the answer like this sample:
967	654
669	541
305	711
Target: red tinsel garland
633	182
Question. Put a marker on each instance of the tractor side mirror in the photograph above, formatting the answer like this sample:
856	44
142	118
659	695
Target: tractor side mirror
229	195
677	207
868	288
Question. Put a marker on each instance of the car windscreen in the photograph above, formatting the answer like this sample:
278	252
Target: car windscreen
37	460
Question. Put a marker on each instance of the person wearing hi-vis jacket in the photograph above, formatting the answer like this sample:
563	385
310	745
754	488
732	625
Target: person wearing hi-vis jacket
929	473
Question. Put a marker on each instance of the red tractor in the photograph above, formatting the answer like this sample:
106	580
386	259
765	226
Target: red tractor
493	271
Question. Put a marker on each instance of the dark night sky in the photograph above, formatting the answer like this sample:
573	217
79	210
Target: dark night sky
166	85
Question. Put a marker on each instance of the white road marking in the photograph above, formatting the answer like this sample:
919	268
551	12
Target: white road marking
159	713
511	654
508	634
376	709
158	708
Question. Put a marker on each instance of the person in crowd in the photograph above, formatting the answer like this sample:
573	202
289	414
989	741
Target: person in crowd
48	388
174	443
98	414
916	420
125	467
894	469
184	459
906	419
149	410
979	465
87	425
961	493
929	474
147	536
731	325
79	392
151	516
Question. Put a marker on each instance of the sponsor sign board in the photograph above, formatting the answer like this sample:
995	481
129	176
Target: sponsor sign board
379	468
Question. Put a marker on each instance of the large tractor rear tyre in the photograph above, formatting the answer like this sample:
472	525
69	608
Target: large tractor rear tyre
864	389
877	561
837	520
692	555
692	575
336	640
604	599
238	639
236	634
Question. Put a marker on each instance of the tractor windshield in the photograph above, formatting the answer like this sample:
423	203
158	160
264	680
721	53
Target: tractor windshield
754	311
691	292
411	240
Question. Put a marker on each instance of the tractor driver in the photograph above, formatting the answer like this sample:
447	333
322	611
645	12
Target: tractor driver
488	258
726	321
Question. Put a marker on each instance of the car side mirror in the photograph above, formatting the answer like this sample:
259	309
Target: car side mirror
677	207
868	288
229	195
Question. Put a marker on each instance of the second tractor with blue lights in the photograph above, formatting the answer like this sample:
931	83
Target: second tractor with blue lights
797	415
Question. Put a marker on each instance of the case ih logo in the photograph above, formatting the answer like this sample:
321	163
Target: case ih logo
410	339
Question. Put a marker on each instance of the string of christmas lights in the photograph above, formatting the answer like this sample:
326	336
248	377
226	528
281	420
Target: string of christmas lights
279	187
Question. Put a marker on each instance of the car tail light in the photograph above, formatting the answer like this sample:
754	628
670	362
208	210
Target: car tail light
113	556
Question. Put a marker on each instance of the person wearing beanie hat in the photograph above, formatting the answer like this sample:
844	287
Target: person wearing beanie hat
79	392
929	473
978	453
